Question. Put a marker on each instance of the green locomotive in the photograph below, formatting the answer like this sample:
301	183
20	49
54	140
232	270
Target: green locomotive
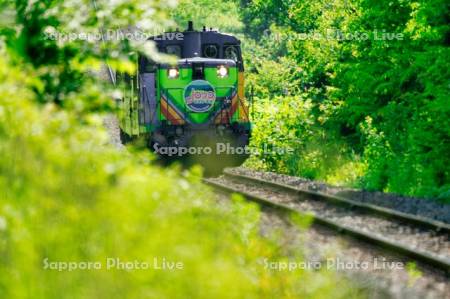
198	101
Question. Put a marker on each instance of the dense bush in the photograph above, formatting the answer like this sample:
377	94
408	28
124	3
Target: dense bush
380	106
297	144
222	15
66	195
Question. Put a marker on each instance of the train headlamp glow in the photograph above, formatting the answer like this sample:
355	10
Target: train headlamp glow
222	71
172	73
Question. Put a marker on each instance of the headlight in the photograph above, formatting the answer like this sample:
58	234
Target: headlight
172	73
222	71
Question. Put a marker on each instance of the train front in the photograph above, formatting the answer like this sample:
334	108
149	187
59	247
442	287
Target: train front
198	104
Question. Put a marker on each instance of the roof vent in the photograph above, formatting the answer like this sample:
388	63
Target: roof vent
190	26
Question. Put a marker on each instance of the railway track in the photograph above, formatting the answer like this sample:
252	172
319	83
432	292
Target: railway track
422	240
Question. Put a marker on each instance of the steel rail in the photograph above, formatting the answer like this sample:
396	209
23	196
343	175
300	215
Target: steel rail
386	244
352	204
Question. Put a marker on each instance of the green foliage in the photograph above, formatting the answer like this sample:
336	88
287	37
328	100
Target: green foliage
60	39
222	14
288	123
67	195
259	15
413	273
381	103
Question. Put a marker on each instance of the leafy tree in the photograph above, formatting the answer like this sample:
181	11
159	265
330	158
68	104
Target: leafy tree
68	196
381	98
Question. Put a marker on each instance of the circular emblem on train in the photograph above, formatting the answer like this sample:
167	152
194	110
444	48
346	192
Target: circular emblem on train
199	96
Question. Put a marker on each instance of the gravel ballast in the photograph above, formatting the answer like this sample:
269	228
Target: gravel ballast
318	244
422	239
112	127
415	206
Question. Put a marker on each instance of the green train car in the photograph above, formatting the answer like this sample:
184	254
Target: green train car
198	101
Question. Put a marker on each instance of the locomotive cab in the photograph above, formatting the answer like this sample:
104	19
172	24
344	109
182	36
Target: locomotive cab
200	95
